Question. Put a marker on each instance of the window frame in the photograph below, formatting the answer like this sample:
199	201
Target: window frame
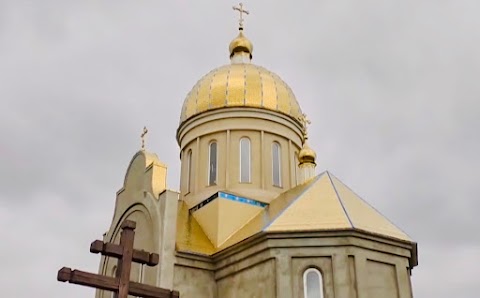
297	170
209	182
249	160
279	161
189	171
320	280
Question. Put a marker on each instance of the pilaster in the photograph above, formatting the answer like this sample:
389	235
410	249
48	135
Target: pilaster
341	276
283	276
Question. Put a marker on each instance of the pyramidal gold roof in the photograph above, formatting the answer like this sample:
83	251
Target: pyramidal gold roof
328	204
322	204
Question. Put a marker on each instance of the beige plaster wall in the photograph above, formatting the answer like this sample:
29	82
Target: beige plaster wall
254	282
382	280
194	282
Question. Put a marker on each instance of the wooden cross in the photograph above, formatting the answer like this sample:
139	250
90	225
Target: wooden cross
120	284
144	133
241	11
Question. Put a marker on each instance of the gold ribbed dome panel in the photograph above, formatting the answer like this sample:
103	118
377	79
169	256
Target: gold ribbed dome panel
240	85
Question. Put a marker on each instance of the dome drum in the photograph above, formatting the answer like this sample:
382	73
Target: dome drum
236	118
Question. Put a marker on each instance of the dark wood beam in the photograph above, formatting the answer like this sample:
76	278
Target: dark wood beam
111	284
87	279
124	264
147	291
115	250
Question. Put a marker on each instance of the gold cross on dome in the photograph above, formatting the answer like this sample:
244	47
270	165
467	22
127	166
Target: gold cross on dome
144	133
241	11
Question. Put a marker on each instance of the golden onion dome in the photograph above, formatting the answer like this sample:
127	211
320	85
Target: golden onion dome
240	85
241	44
307	154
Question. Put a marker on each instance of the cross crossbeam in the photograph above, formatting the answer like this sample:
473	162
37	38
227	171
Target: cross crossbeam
120	284
111	284
116	251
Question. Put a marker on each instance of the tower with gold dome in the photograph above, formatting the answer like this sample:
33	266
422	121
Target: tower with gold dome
252	218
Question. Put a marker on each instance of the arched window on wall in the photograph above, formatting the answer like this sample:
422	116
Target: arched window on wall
189	171
212	163
312	283
276	164
245	160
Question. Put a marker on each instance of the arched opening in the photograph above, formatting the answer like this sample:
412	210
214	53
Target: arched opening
296	167
212	163
312	283
245	160
276	165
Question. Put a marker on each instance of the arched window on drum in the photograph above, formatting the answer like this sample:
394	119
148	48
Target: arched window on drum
189	171
212	163
312	283
245	160
276	164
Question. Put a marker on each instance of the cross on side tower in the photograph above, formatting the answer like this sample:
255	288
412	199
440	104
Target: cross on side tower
120	284
144	133
241	11
305	122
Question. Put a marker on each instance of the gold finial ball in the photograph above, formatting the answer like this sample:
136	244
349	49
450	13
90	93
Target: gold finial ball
241	44
307	154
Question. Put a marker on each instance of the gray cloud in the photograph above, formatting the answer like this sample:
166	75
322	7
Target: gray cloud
390	87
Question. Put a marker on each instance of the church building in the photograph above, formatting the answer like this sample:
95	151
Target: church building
252	217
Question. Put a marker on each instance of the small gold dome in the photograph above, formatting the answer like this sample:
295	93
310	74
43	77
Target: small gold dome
307	154
241	44
240	85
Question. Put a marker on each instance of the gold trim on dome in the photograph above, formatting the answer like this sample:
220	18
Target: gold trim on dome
240	85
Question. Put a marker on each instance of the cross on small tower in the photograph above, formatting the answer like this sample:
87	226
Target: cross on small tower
144	133
241	11
120	284
304	121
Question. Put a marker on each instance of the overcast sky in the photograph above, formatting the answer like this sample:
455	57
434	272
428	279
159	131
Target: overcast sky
392	89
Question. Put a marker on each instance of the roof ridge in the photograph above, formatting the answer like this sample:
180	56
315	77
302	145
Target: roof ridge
375	209
294	200
340	200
